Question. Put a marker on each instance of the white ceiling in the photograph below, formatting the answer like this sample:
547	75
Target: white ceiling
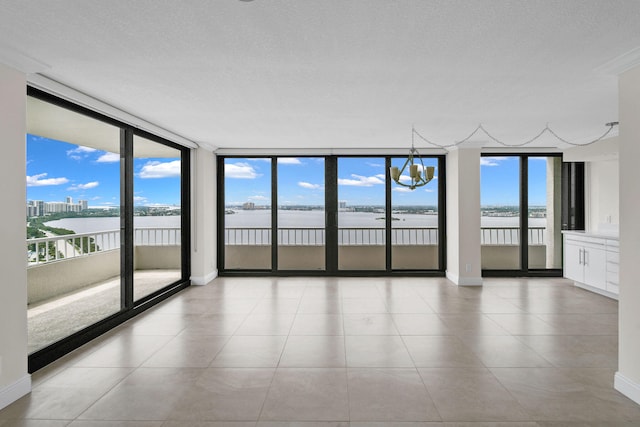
334	73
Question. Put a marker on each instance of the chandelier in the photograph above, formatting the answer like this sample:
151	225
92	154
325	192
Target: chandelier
419	175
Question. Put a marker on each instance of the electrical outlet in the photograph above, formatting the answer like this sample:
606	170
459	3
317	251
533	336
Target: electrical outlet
467	268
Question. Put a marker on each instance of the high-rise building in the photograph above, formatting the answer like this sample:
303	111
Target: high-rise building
84	205
69	200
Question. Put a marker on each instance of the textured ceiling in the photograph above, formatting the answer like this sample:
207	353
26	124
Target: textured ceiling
334	73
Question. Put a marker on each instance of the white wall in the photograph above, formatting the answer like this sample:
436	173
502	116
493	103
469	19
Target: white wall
603	186
14	379
463	216
627	378
203	223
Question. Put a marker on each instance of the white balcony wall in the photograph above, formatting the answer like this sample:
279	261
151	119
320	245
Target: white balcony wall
14	379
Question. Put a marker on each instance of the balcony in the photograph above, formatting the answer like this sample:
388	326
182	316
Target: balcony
74	280
364	248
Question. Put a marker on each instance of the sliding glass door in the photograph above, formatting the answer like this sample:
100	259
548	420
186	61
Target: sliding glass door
107	224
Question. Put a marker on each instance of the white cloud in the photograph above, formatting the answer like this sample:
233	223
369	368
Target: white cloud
374	165
240	171
309	185
40	180
109	158
80	152
258	198
361	181
491	161
139	199
157	169
402	190
86	186
289	161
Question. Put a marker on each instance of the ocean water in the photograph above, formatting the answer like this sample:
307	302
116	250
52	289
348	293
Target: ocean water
286	219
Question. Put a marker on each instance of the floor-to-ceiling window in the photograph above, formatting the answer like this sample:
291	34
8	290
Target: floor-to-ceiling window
247	213
415	221
520	198
332	215
107	223
361	213
301	213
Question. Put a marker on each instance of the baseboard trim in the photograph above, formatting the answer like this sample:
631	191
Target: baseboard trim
15	391
627	387
464	281
201	281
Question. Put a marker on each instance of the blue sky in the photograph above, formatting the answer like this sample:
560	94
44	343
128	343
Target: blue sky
57	169
301	182
361	182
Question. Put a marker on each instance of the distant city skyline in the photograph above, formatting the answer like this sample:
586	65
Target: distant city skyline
57	170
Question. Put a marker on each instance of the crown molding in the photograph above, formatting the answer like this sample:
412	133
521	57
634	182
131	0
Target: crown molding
620	64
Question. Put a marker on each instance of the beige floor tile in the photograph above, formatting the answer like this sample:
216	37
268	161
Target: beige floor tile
472	324
94	423
231	305
470	394
504	351
124	350
214	324
313	351
317	324
279	305
389	395
146	394
97	378
251	352
302	424
33	423
224	394
420	324
582	351
307	395
266	324
413	304
186	423
317	305
363	305
559	394
369	324
382	351
524	324
440	352
187	351
53	403
583	324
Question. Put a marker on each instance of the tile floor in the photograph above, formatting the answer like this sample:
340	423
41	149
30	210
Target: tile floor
273	352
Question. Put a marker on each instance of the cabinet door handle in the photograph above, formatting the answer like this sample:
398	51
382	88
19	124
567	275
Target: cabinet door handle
579	256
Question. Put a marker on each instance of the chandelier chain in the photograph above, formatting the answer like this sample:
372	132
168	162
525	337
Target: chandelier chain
546	129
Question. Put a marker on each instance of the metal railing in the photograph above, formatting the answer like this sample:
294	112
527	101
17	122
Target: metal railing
367	236
56	248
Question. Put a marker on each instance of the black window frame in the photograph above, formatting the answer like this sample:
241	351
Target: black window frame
129	308
331	227
524	270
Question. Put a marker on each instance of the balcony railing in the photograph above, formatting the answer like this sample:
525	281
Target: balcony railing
372	236
56	248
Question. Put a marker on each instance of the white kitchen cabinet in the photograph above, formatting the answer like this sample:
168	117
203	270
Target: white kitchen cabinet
591	261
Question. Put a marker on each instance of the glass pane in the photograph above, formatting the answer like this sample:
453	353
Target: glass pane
414	221
361	214
157	214
247	219
301	216
544	213
500	210
73	223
